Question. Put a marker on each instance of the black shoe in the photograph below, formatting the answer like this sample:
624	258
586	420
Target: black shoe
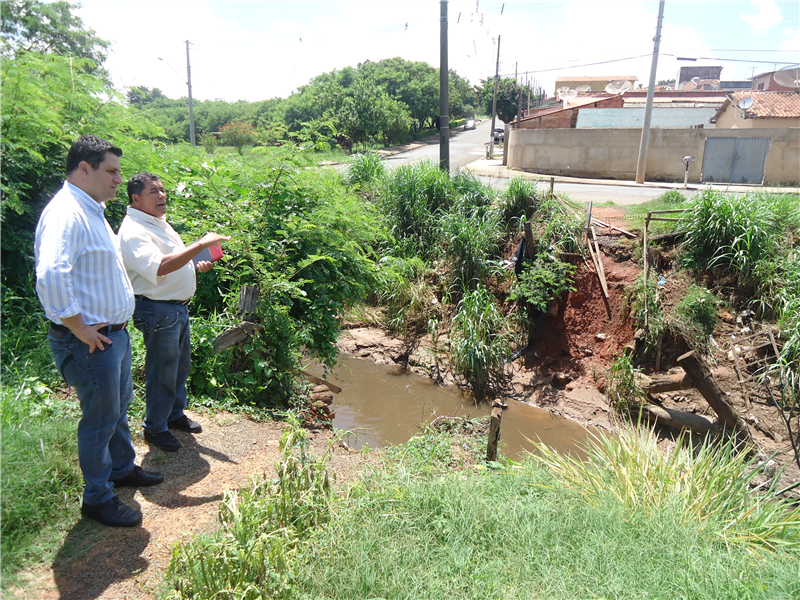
112	513
164	440
139	478
184	423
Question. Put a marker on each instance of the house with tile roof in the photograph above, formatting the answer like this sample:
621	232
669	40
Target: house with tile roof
754	109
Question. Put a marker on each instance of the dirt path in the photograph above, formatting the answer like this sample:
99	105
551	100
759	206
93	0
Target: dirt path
97	562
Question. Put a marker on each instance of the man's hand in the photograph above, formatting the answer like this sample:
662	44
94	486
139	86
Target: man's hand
88	334
212	238
204	266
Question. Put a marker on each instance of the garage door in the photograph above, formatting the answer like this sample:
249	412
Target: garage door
735	160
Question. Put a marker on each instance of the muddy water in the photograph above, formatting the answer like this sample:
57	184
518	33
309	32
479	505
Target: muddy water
383	405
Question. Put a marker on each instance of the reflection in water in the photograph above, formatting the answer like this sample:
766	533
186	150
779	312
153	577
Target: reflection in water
385	405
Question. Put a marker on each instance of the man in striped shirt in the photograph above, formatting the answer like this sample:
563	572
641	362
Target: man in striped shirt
88	298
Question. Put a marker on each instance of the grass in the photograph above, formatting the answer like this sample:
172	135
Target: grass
479	344
631	522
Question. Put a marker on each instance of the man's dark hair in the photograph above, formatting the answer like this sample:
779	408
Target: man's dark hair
137	182
91	149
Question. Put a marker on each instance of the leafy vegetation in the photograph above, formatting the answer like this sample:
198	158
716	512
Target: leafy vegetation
416	528
479	341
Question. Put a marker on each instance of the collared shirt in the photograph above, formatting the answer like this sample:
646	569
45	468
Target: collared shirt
79	267
145	240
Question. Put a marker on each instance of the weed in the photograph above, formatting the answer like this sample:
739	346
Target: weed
365	170
542	280
479	343
709	484
648	310
621	387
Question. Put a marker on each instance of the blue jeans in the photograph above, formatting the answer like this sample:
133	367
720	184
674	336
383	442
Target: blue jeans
165	329
104	386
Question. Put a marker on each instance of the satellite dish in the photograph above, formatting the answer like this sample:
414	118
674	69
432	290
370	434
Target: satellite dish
788	77
618	87
562	89
695	80
584	88
567	95
745	103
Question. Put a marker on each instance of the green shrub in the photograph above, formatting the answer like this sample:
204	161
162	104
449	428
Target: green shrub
517	197
409	299
733	232
365	170
542	280
699	307
471	241
479	343
671	197
648	311
621	388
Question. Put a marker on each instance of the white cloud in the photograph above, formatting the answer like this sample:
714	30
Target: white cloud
768	15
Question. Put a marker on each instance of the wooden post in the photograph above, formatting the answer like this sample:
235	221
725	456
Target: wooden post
248	299
701	376
552	185
644	257
601	272
494	434
588	221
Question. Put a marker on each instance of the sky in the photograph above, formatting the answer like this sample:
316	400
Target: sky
255	49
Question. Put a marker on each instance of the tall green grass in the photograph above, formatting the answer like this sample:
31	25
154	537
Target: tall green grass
365	170
533	530
479	342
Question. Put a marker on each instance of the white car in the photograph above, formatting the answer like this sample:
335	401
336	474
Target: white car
470	124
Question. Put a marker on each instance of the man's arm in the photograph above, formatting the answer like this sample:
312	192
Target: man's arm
176	260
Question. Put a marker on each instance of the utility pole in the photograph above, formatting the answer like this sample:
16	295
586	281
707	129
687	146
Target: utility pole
191	107
641	167
494	100
519	97
444	95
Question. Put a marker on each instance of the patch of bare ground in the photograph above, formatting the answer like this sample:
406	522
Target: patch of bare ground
97	562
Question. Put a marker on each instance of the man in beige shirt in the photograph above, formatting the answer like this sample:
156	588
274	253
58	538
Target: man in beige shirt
162	273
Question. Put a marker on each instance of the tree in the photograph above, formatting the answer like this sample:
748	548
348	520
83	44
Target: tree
238	135
508	91
48	27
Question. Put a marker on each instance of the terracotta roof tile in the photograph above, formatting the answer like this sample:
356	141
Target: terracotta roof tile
600	78
769	105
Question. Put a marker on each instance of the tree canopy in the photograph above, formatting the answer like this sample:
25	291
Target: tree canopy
48	27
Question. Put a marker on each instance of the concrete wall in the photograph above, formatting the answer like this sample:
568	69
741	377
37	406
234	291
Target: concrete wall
613	153
677	117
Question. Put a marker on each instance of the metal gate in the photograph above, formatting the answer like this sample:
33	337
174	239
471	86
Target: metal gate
735	160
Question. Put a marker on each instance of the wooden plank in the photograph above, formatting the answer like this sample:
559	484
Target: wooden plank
597	221
601	272
667	383
494	434
705	383
319	381
587	220
234	335
248	299
677	419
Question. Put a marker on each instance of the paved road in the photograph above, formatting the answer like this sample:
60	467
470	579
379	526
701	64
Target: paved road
465	147
468	149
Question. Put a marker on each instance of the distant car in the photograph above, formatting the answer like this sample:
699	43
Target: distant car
499	134
470	124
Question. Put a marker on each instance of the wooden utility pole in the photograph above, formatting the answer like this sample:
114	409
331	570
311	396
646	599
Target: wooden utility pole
444	95
641	167
191	107
494	100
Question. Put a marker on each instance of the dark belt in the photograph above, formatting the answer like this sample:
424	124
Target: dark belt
59	331
178	302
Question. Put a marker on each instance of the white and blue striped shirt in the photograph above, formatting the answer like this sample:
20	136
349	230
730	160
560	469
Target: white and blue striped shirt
79	267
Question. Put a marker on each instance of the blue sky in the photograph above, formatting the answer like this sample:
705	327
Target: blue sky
255	49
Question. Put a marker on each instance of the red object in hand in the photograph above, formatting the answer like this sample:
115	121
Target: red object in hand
212	254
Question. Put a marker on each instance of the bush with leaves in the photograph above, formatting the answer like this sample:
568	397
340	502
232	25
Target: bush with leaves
542	280
365	170
238	135
479	342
